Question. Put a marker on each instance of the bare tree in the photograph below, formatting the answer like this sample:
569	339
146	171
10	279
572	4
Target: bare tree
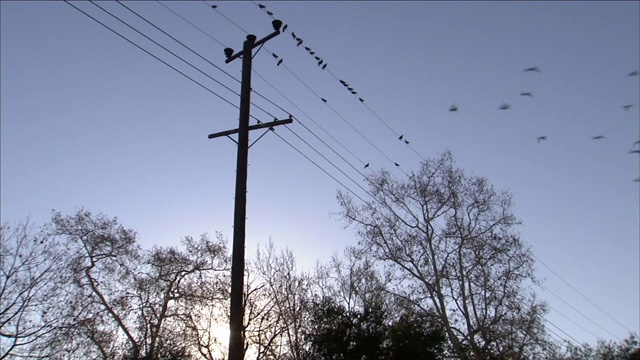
28	261
448	239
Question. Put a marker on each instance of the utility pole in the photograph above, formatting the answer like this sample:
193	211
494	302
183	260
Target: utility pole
236	343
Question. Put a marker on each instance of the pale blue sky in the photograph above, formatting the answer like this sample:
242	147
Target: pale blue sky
88	119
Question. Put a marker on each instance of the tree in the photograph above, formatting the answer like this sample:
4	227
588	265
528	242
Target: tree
125	303
448	240
627	349
29	265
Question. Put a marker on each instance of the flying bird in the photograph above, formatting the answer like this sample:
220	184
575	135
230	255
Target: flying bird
627	107
279	62
453	107
401	136
633	73
505	106
535	68
598	137
526	93
366	166
541	138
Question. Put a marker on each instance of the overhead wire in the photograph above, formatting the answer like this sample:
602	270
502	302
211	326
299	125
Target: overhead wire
345	85
152	55
169	51
581	294
578	311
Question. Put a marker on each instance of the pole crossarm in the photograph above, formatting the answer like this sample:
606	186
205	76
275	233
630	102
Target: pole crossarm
252	127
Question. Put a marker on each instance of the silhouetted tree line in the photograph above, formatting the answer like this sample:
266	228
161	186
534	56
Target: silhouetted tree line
439	273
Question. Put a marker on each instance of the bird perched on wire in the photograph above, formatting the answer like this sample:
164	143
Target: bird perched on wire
279	62
284	27
627	107
534	68
269	13
541	138
505	106
366	166
324	66
598	137
274	55
401	136
323	100
261	6
526	93
453	107
396	164
406	142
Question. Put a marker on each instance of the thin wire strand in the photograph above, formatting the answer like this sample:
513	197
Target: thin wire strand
152	55
581	294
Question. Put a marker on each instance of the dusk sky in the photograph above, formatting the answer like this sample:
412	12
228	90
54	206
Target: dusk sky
90	120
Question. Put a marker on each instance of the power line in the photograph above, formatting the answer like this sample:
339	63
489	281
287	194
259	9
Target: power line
169	51
576	310
155	57
581	294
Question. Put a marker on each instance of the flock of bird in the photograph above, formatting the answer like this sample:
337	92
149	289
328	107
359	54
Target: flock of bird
454	107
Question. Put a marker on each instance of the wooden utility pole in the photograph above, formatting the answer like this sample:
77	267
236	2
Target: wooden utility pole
236	343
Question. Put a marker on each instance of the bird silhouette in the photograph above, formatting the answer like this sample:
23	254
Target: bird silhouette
323	100
354	92
279	62
401	136
453	107
293	35
634	73
320	62
318	57
541	138
396	164
324	66
598	137
284	27
526	93
627	107
214	6
299	42
312	52
361	100
307	48
269	13
366	166
406	142
261	6
534	68
634	152
274	55
505	106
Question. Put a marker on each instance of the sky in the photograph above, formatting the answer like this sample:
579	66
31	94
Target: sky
90	120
